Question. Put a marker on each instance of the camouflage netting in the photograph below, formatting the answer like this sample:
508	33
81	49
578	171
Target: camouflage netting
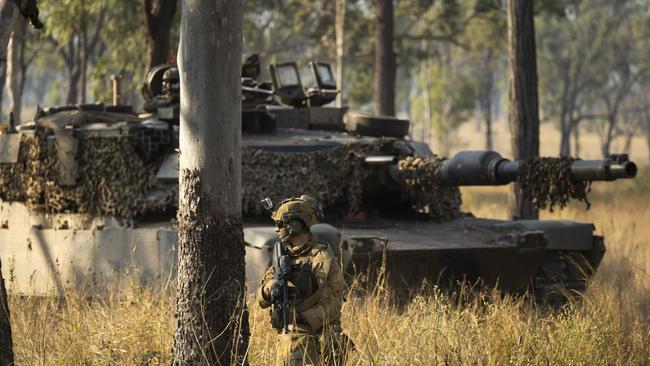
336	175
418	176
112	179
330	175
549	182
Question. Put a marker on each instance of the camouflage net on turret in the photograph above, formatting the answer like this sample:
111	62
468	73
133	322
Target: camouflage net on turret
548	182
331	175
112	179
336	175
418	176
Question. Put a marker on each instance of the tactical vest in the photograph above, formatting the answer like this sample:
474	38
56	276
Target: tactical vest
303	284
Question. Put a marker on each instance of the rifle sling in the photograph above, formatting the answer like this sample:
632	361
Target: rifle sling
313	299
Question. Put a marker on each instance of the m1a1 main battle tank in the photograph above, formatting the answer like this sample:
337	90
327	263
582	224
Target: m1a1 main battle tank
90	192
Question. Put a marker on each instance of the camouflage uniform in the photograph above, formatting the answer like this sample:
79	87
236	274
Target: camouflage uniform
316	294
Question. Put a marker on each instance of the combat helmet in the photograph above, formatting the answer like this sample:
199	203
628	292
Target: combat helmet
304	208
251	66
171	81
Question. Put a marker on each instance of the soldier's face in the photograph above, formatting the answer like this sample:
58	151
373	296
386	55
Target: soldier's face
282	230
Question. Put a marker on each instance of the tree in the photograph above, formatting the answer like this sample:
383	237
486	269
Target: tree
385	66
158	16
619	70
522	90
447	95
17	64
211	321
74	28
568	46
486	35
8	16
341	7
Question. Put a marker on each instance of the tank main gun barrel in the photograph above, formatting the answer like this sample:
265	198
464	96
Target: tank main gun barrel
477	168
488	168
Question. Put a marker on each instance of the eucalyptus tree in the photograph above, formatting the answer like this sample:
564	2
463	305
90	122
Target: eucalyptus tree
211	322
522	91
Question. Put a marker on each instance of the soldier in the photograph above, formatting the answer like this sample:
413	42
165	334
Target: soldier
251	67
316	290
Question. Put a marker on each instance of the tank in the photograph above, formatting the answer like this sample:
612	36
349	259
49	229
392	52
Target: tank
89	193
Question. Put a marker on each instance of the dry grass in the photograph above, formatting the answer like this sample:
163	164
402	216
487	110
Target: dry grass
132	329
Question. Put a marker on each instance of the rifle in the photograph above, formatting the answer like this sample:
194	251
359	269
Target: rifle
280	290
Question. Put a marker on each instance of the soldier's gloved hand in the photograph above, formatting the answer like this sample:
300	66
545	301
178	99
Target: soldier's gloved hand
266	290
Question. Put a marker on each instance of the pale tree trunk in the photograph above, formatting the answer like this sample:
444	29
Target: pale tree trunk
211	320
445	127
612	116
489	145
3	79
627	146
16	68
522	90
71	56
341	6
8	15
427	100
646	121
486	95
158	16
385	68
83	51
576	139
565	117
485	104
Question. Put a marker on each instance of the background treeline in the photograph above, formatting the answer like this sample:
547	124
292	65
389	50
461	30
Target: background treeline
449	64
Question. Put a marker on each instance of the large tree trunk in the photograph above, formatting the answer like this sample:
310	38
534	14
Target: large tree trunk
211	320
74	75
83	51
522	88
488	129
158	16
565	117
16	67
3	80
385	68
609	135
576	139
428	114
341	6
8	15
485	104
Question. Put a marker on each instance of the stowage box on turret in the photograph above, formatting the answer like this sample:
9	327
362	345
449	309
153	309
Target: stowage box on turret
89	193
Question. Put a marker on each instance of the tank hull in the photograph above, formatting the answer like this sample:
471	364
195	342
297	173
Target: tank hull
59	253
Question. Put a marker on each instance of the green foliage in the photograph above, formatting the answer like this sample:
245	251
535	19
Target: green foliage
447	98
589	59
118	27
124	50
